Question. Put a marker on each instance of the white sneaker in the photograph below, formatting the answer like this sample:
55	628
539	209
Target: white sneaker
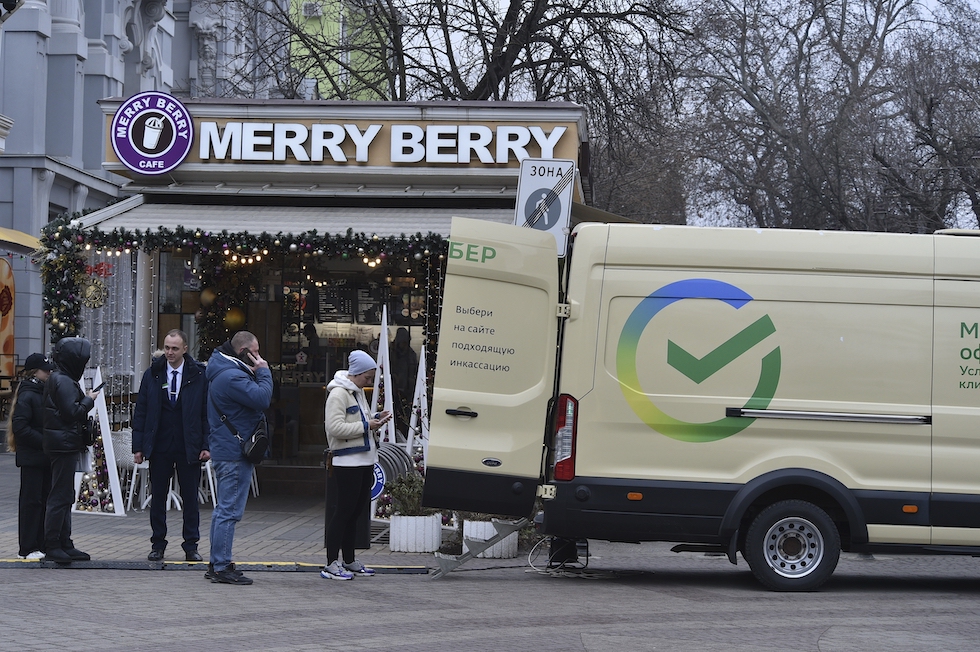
37	554
358	568
336	572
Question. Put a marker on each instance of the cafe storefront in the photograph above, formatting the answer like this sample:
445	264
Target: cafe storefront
298	221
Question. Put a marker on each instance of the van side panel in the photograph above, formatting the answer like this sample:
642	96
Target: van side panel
697	322
956	397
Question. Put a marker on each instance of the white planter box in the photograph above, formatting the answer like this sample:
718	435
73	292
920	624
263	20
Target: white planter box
484	530
415	533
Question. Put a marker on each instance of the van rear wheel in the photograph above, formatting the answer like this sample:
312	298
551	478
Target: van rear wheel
792	545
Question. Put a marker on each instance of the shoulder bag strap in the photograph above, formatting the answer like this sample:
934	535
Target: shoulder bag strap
224	417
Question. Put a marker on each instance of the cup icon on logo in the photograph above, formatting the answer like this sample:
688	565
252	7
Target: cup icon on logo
151	132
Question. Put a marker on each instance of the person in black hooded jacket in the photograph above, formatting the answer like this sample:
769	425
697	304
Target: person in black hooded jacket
26	423
66	408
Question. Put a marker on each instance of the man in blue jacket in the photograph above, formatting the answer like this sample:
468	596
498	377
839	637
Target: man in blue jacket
240	391
170	428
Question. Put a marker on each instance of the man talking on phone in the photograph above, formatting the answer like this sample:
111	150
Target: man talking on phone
240	391
170	429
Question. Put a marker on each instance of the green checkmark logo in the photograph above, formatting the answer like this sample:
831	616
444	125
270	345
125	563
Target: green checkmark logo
700	369
629	359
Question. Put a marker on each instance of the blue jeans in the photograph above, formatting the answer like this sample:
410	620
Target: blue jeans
233	480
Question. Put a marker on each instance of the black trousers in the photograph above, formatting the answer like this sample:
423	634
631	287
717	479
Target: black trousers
162	467
353	494
57	517
35	485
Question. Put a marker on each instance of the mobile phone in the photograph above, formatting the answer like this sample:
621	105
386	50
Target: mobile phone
95	389
246	356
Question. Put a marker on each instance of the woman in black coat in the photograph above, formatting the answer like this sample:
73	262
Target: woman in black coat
24	433
66	408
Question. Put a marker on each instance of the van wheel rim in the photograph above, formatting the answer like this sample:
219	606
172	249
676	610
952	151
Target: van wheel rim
793	547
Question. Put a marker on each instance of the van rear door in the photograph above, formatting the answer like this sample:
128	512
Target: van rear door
495	369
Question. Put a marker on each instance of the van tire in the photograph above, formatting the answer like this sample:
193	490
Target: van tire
792	545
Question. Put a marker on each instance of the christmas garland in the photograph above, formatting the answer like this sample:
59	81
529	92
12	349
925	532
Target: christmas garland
68	285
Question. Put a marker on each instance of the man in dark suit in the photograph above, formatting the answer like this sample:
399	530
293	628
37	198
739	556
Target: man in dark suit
170	428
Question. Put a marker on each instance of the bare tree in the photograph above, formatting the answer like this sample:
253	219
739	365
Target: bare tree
613	56
936	74
792	99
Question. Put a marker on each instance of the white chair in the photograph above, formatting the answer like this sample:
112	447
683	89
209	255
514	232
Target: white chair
130	473
209	490
208	484
140	478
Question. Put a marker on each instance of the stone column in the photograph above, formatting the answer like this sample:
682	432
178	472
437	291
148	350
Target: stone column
67	51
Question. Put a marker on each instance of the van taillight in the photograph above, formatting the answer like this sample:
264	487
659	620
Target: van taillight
565	430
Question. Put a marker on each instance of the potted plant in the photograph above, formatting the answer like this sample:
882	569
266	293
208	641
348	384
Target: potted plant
414	528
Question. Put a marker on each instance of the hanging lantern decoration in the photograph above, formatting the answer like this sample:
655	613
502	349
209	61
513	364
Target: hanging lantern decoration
235	319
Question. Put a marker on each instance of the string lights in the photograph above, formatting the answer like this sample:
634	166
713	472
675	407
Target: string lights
65	246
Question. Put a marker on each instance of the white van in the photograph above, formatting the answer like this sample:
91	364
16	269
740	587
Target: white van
783	394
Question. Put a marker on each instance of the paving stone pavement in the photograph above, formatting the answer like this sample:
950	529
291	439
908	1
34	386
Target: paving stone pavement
275	530
631	597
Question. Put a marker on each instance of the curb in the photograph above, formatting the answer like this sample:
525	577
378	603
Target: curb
271	566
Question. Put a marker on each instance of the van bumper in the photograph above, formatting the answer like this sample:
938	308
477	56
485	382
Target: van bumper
632	511
488	493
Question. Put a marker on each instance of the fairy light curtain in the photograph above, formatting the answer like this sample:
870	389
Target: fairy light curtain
108	320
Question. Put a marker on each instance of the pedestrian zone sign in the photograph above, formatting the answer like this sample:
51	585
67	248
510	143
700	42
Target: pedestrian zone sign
544	197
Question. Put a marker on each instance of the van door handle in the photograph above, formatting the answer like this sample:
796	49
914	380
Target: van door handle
461	413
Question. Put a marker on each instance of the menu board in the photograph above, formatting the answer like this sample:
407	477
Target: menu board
335	303
370	301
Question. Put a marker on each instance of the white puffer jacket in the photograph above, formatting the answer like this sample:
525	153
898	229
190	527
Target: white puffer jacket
346	422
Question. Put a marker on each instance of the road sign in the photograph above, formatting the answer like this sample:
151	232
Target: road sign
544	197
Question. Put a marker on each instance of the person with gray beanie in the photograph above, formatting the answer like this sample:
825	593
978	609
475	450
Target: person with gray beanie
353	452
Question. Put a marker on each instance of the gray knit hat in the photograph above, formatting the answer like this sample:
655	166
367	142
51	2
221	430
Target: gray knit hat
359	362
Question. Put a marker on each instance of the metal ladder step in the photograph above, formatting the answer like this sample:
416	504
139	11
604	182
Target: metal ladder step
448	563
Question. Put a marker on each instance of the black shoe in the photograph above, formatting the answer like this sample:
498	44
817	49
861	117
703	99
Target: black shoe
57	555
193	555
155	555
77	555
209	573
229	576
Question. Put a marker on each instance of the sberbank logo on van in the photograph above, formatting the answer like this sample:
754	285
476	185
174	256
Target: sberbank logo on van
733	346
472	252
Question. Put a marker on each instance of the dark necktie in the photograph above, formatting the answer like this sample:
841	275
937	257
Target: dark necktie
173	387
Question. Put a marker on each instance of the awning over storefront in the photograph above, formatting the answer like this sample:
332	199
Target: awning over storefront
286	219
18	241
135	213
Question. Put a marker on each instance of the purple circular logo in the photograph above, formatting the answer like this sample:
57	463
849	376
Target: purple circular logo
152	133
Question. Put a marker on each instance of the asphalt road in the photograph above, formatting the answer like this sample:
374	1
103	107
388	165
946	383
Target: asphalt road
631	597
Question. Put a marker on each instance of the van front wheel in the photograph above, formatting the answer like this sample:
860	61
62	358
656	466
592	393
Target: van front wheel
792	545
